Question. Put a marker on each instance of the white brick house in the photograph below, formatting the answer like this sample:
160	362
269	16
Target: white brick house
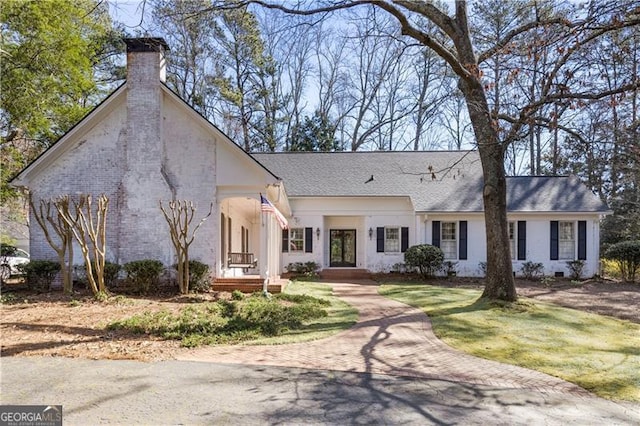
360	210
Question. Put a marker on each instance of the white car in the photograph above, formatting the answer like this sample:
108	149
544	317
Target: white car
10	258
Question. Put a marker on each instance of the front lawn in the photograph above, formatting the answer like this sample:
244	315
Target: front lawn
598	353
305	311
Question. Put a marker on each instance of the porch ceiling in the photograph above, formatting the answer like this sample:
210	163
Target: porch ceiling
243	206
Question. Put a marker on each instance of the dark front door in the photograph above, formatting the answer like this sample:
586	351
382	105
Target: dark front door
343	248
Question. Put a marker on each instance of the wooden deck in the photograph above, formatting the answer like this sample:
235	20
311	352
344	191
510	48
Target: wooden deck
247	284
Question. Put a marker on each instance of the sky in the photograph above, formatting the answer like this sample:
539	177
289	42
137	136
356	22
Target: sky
127	12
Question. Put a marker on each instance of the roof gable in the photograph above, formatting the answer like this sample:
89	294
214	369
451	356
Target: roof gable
71	137
117	99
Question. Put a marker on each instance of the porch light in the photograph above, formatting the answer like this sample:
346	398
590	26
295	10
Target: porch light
318	233
370	233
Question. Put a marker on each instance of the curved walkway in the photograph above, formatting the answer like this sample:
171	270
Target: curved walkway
389	338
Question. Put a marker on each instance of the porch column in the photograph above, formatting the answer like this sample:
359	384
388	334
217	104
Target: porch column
263	260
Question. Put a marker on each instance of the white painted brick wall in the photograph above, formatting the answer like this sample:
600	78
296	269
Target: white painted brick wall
147	149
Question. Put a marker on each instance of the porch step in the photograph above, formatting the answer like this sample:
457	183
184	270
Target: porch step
345	274
247	285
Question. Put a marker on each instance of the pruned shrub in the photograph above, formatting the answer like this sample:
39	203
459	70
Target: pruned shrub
39	274
575	269
532	270
627	255
306	269
424	257
143	275
111	273
198	276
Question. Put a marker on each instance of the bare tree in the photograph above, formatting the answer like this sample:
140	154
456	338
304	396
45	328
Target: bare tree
63	246
89	230
179	218
189	34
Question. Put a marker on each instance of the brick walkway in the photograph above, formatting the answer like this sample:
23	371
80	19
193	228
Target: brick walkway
390	338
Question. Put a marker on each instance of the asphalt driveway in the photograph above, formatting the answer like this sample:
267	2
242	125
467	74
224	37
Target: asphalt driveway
186	393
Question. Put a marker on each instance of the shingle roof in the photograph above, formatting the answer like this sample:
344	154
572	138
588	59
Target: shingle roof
435	181
554	194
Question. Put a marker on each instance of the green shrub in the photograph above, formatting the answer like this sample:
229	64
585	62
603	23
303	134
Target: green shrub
198	276
575	269
226	321
39	274
425	257
627	255
272	317
237	295
531	270
306	269
449	268
143	275
111	272
8	298
302	299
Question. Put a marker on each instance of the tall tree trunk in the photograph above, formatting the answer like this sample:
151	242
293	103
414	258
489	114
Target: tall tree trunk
499	281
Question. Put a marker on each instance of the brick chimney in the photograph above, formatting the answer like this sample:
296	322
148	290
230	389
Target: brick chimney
145	59
142	228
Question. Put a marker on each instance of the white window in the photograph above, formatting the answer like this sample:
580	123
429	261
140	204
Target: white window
296	240
391	240
512	239
566	241
448	240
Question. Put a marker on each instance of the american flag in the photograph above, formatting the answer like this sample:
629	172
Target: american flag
266	206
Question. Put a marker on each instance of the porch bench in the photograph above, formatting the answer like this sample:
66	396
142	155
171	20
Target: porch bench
241	260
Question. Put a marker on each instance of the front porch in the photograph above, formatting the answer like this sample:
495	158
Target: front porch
249	244
248	284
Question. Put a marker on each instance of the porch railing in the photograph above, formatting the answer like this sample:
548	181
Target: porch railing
242	260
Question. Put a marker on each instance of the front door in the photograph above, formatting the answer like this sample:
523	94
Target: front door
343	248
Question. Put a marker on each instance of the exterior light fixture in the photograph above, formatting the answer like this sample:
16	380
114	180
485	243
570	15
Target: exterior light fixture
370	233
318	233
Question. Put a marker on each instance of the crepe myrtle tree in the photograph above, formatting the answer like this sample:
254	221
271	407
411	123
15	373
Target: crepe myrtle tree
51	222
494	130
179	216
88	224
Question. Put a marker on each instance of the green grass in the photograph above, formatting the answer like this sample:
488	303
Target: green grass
598	353
306	311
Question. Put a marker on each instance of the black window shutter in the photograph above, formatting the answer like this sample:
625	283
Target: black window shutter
380	239
582	240
554	240
404	239
308	240
522	240
435	233
285	240
462	244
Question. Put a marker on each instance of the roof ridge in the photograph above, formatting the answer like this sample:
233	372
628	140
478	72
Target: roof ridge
366	152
